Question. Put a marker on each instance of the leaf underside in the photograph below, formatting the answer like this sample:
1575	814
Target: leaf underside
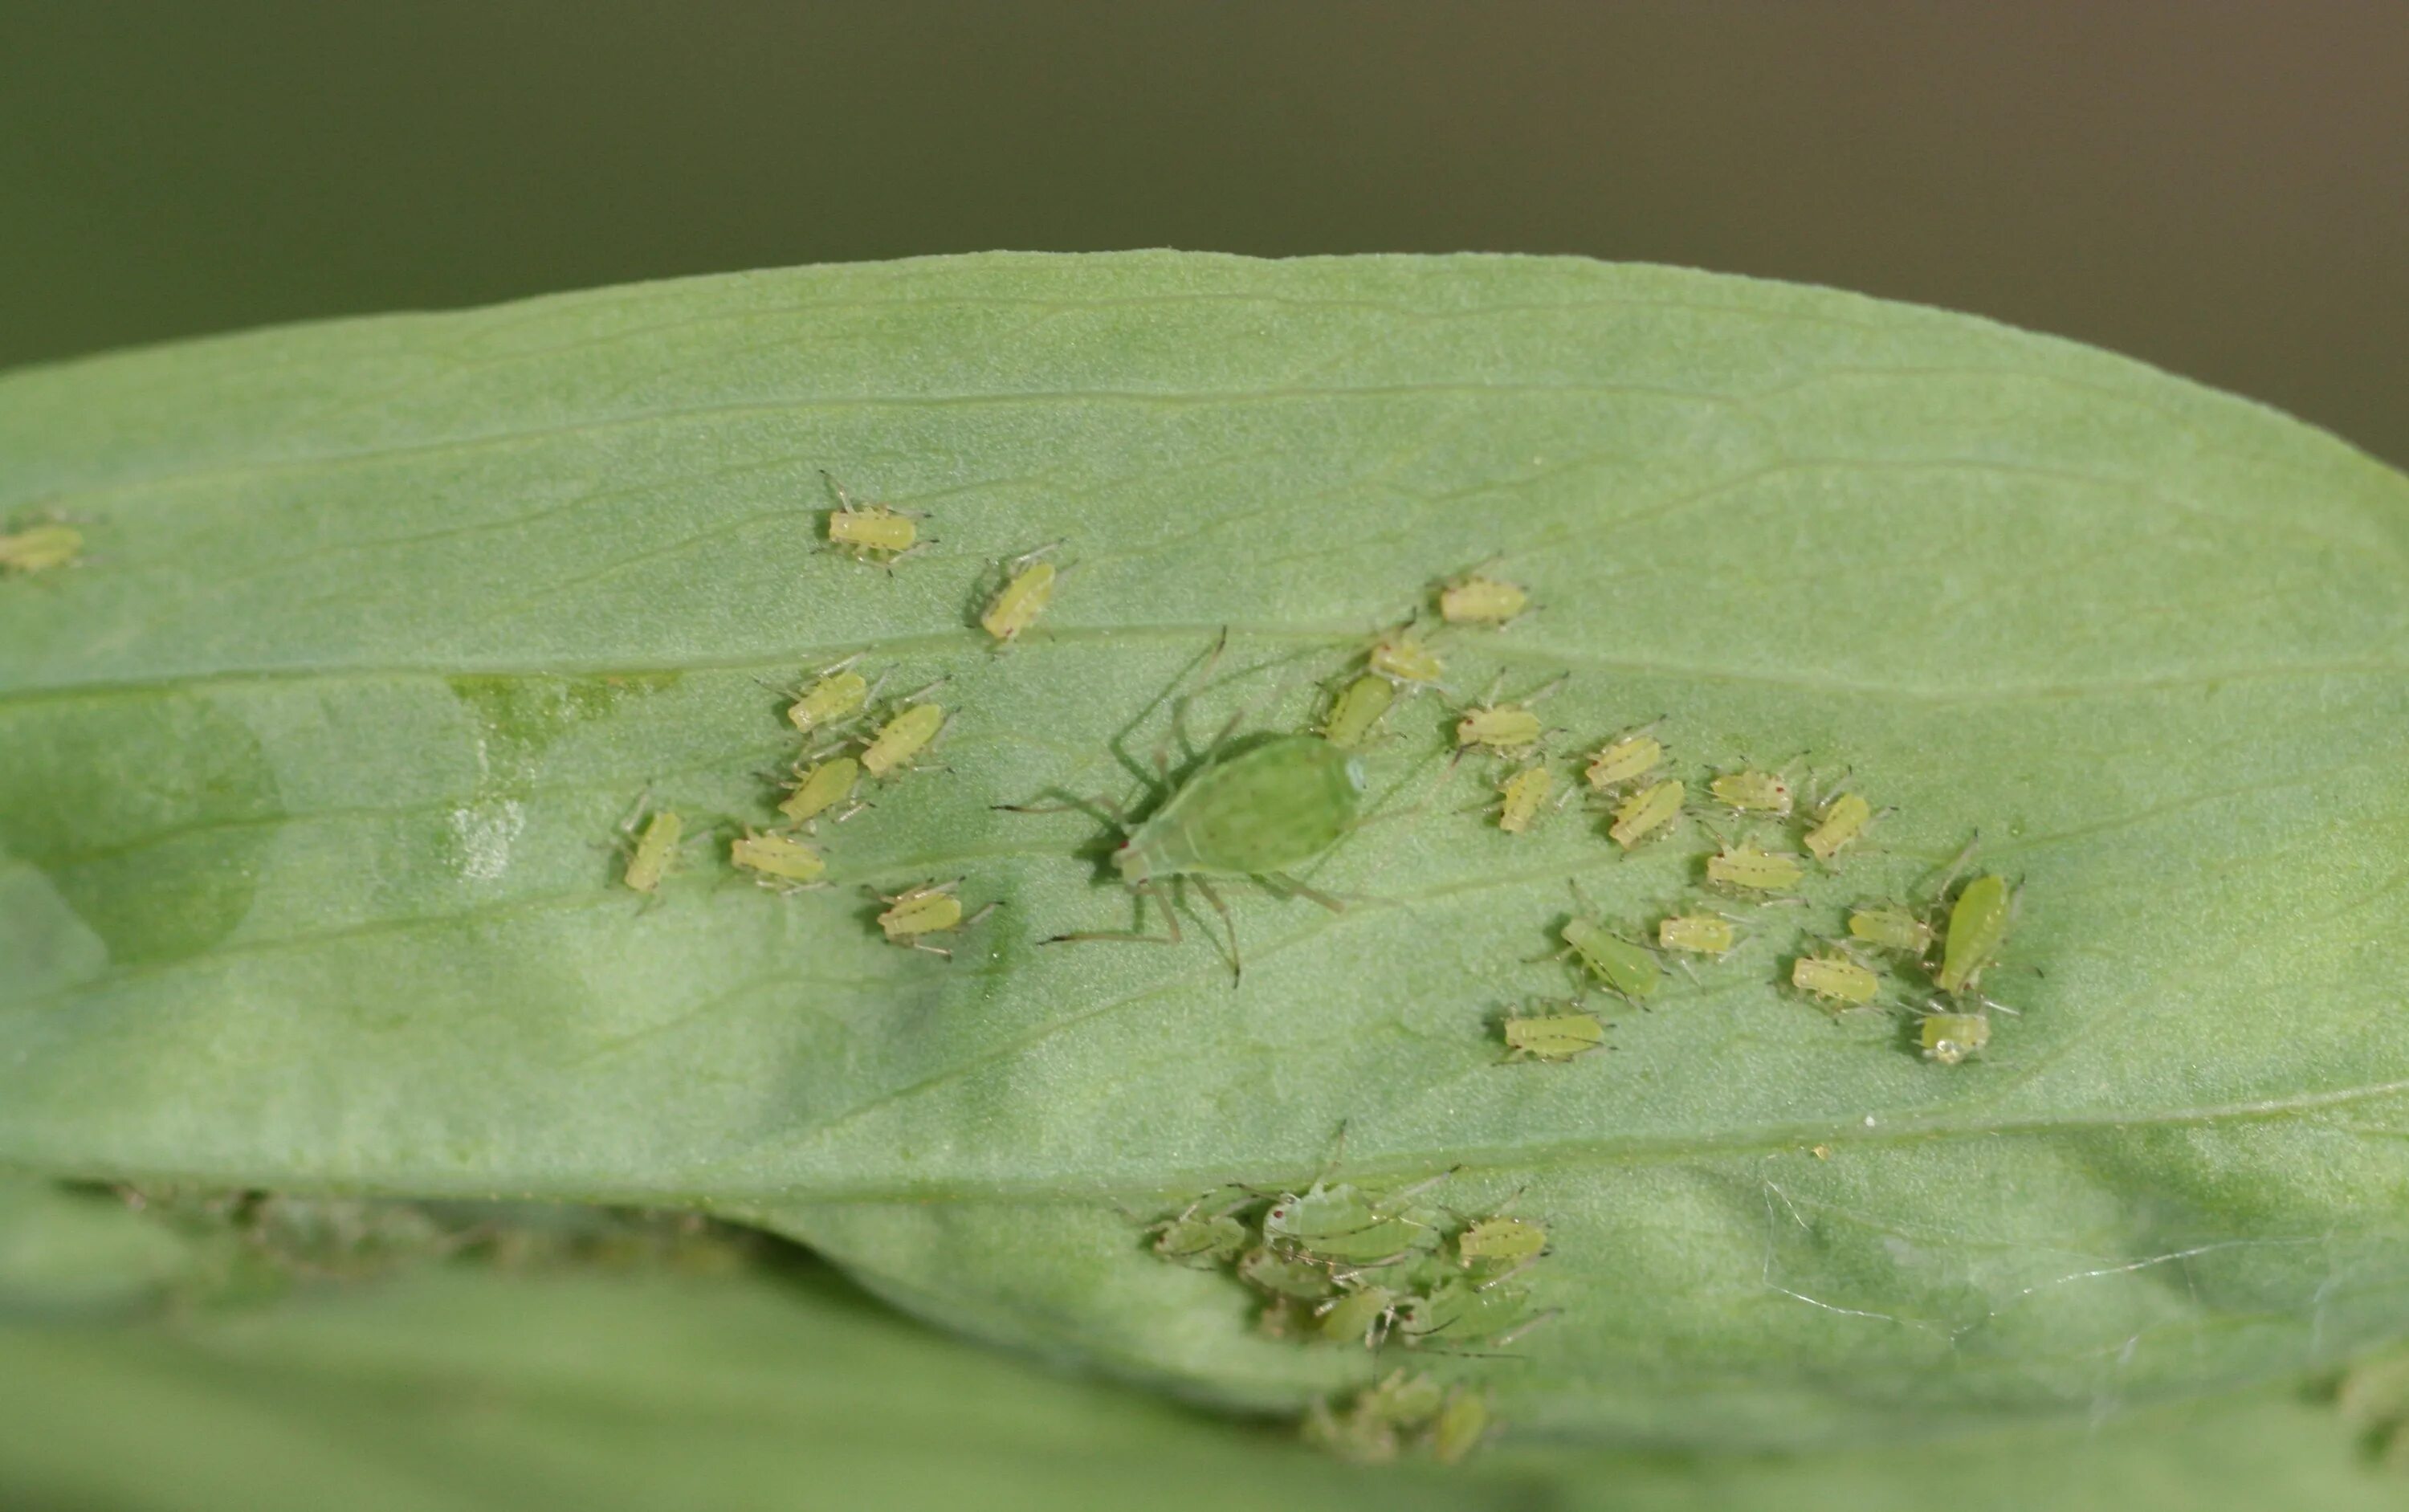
314	767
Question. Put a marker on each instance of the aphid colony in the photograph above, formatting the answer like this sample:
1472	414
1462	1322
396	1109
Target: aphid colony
1351	1266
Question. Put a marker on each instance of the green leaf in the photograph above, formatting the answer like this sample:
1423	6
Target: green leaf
387	623
461	1387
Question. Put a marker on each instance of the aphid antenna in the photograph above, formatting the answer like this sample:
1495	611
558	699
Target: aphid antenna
1957	864
846	499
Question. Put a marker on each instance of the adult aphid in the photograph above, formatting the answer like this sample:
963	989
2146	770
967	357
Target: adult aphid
1344	1225
1028	588
39	548
1978	926
903	736
877	533
1649	811
822	786
777	862
916	913
1477	599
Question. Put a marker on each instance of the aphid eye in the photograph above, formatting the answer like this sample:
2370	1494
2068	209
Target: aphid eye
1279	1212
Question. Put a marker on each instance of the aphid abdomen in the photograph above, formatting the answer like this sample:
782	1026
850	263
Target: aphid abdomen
1274	806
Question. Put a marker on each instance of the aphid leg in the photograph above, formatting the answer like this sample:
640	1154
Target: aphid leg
1526	1326
980	914
1130	937
1236	967
1284	885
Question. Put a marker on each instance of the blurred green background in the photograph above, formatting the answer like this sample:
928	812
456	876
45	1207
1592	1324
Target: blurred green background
2221	188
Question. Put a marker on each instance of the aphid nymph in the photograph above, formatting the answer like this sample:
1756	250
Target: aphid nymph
778	862
1835	977
1559	1036
1651	811
1747	867
1357	711
1521	796
1626	968
1401	657
1477	599
933	908
903	736
876	533
1028	588
833	697
39	548
822	786
1838	825
1509	729
1626	758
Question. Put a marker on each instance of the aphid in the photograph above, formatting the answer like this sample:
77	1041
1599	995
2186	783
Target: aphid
1406	1398
1752	792
1467	1311
1360	1316
1834	978
1554	1036
1343	1225
1477	599
1645	813
1510	730
1521	797
1951	1037
835	697
934	909
1029	587
1285	1276
1697	934
1462	1425
1358	709
1842	822
902	738
821	787
1628	969
1275	805
1501	1240
655	851
1400	656
1978	926
782	861
40	548
1203	1240
1356	1436
1626	758
872	532
1745	866
1893	929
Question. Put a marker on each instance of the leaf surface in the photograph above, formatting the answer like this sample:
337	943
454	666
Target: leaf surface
313	768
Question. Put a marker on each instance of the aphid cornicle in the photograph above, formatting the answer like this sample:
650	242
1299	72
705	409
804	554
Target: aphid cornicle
39	548
835	697
902	738
1951	1037
1837	826
1401	657
1521	796
655	851
876	533
821	787
1750	868
1834	978
918	912
1697	934
1476	598
1752	791
1649	811
778	862
1978	926
1358	709
1624	759
1028	588
1554	1036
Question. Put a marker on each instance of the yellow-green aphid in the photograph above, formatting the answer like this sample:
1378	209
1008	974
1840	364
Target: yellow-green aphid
1400	656
1201	1240
1950	1038
1628	969
1462	1425
1834	978
872	532
1752	870
781	861
1358	709
1355	1435
1651	809
655	851
1752	792
1360	1316
1501	1241
1554	1036
40	548
1510	730
1893	929
1624	759
902	738
1978	926
1406	1398
1284	1276
1697	934
1477	599
916	912
1837	826
821	787
835	697
1028	588
1522	796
